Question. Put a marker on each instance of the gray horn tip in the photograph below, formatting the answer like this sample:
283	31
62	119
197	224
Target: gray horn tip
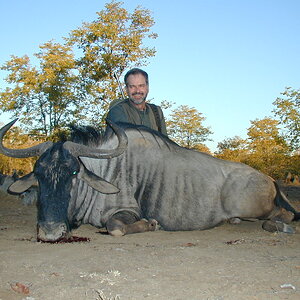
11	123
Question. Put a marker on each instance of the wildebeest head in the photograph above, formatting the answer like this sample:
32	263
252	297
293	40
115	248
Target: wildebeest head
53	173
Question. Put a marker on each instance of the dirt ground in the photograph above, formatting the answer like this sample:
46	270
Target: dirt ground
227	262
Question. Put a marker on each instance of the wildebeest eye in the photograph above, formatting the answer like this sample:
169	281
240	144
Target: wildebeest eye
75	172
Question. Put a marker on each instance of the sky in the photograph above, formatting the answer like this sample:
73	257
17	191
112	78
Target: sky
229	59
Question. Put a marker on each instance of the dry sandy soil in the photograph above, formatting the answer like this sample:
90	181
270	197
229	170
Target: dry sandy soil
226	262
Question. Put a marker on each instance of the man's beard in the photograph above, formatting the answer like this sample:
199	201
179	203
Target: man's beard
138	101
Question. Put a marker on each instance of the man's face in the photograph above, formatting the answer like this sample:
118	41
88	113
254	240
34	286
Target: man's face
137	88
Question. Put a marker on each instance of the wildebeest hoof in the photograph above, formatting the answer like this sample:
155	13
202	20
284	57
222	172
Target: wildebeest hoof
277	226
116	227
117	232
234	221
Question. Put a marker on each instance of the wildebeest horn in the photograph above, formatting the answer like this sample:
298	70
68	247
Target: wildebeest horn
85	151
21	153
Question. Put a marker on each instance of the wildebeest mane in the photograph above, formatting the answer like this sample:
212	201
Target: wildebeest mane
86	135
142	130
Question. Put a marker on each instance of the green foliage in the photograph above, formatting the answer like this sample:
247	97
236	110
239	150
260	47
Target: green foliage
234	149
202	148
264	136
269	151
287	109
293	164
44	97
265	149
185	127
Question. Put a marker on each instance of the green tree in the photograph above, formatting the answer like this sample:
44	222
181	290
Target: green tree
268	150
185	127
44	97
287	109
234	149
111	44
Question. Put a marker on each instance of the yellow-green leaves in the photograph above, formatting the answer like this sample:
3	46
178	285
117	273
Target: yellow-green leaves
185	126
287	109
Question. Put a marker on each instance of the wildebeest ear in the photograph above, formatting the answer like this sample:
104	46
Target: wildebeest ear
22	184
97	182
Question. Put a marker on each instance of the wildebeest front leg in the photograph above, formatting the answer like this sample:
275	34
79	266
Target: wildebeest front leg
125	223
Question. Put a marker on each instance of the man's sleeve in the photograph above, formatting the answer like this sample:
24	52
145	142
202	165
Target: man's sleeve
117	114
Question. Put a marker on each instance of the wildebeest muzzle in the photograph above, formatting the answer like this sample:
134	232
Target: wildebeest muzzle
52	231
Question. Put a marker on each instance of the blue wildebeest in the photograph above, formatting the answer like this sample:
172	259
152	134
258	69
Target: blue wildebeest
132	172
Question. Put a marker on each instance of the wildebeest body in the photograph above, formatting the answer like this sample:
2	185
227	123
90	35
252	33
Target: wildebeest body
182	189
